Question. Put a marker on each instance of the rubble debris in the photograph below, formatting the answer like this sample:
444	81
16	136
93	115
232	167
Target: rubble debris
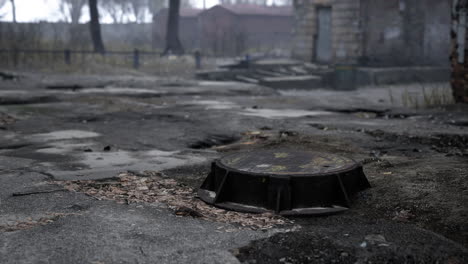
154	188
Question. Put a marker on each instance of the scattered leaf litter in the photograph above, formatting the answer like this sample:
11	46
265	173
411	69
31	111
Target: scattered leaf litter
153	188
30	223
6	120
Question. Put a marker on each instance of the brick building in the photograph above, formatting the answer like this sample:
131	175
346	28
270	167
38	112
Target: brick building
373	32
459	56
228	30
233	29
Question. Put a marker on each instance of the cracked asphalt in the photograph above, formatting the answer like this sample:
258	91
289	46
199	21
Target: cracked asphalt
82	127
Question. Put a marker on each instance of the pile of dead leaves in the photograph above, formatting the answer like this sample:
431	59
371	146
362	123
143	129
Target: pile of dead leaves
153	188
6	119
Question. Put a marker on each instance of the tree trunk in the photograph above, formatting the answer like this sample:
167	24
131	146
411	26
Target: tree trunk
173	44
76	7
459	57
95	27
13	10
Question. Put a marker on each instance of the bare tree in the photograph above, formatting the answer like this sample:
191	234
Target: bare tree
2	3
139	8
118	10
156	5
173	44
72	10
95	27
13	10
459	55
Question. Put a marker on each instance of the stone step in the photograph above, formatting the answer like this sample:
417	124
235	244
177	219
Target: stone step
268	73
304	82
246	79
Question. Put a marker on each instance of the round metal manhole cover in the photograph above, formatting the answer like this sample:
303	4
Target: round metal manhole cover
287	163
288	182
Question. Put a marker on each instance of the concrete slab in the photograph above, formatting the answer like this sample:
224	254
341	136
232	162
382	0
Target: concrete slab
293	82
383	76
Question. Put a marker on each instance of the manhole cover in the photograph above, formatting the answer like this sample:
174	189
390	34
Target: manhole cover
288	182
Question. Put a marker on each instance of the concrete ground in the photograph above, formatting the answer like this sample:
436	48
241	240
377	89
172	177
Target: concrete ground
65	139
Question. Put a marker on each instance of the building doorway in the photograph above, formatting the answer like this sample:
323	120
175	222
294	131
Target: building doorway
323	43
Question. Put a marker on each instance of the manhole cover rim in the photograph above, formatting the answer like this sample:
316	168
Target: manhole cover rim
352	165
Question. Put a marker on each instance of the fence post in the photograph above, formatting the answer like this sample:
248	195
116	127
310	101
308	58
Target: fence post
136	59
15	57
67	56
197	56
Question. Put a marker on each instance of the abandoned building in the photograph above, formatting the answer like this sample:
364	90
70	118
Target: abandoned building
232	29
227	30
373	32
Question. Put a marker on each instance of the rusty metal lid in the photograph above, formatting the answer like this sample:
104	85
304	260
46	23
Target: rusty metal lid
287	182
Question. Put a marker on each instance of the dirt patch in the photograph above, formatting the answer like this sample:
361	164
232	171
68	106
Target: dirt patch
154	188
31	223
326	246
295	248
444	143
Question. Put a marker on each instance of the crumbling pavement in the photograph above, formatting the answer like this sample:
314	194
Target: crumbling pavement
108	172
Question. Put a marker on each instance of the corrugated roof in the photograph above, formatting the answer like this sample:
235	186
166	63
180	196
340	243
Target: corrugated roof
249	9
184	12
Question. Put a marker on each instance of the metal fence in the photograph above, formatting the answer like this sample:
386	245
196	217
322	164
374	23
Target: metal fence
18	57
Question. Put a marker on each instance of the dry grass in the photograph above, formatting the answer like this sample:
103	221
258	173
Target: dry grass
104	64
422	95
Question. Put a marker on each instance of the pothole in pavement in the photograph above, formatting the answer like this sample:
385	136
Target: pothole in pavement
153	188
64	134
213	141
283	113
373	113
213	104
8	76
72	87
23	100
124	91
458	122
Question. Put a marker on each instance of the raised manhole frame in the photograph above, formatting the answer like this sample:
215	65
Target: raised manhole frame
280	189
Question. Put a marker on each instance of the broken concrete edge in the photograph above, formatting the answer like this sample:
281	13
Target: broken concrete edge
339	78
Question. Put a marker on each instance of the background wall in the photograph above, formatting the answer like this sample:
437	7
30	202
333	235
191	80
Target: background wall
377	32
406	32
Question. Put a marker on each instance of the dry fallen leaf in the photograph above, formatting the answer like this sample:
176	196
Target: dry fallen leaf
152	188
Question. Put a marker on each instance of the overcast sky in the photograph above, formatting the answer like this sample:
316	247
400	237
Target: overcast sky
37	10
